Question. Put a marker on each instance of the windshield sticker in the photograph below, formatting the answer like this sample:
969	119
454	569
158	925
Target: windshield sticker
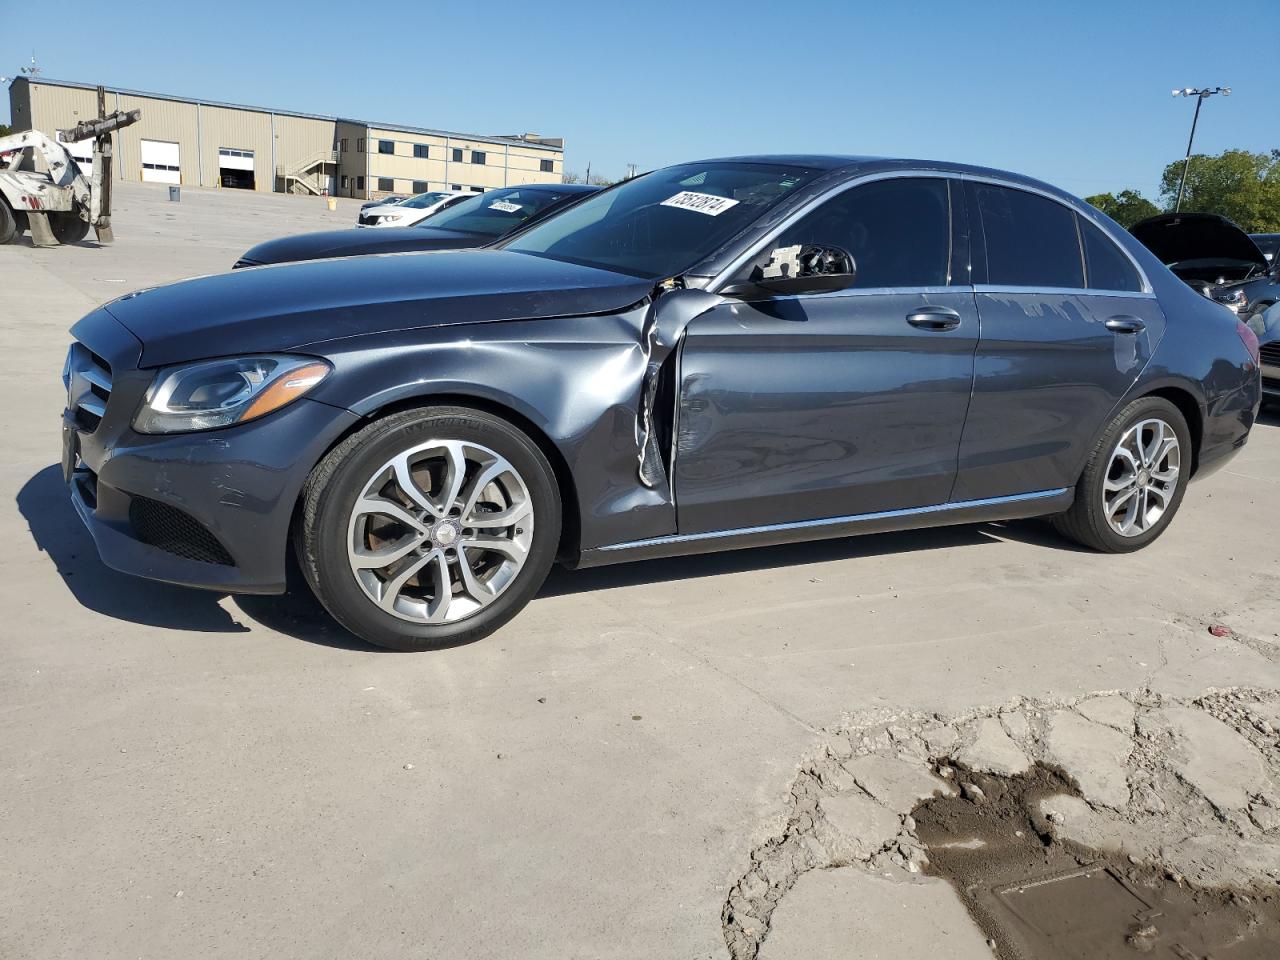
506	206
706	203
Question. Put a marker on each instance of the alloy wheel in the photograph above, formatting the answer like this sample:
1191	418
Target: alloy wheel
439	531
1142	477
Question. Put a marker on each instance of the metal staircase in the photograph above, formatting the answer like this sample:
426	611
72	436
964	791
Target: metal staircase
308	175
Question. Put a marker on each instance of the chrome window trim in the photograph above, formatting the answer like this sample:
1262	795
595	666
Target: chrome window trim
755	249
834	521
1089	212
1063	291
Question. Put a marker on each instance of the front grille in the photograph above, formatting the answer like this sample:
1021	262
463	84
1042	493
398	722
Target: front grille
366	220
88	381
1271	353
173	531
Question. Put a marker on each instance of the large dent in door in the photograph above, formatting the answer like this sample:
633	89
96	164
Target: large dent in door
664	325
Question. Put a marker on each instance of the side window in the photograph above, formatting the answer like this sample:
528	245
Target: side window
1031	240
1107	267
898	231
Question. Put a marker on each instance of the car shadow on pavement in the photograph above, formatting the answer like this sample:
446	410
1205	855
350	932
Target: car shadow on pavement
562	581
57	530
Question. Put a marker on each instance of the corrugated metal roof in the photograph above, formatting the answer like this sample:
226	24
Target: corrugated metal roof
403	128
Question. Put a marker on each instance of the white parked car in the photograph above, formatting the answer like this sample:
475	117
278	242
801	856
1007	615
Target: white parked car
406	213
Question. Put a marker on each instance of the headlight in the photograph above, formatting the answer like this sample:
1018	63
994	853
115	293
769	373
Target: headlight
219	393
392	218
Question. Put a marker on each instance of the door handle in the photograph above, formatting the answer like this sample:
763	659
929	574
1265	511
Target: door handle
1125	324
934	318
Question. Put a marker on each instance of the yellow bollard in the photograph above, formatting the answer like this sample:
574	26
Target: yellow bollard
333	203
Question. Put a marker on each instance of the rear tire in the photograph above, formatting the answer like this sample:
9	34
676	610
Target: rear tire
8	223
67	226
402	534
1134	481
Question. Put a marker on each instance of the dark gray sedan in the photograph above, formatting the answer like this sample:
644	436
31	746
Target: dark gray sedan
474	222
713	356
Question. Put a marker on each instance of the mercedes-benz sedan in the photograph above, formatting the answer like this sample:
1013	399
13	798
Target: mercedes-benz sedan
712	356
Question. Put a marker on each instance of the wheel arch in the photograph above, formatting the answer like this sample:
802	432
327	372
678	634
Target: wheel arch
571	527
1188	406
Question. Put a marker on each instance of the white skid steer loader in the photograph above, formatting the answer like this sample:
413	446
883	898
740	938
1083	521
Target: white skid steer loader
42	187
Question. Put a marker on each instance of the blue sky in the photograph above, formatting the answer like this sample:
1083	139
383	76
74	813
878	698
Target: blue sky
1076	93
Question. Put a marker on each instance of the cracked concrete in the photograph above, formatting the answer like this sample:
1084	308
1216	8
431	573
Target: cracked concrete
1191	788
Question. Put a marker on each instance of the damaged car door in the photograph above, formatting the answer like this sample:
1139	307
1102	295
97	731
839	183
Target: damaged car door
815	405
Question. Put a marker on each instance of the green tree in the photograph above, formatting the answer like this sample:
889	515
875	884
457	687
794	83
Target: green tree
1244	187
1125	208
5	129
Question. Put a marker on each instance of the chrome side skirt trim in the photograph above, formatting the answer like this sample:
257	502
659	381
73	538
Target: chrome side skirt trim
837	521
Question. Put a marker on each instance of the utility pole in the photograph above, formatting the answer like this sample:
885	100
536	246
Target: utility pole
1201	96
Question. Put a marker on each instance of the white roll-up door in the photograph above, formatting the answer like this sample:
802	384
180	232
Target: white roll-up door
161	162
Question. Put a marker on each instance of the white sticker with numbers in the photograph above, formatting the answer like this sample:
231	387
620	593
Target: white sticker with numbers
706	203
506	206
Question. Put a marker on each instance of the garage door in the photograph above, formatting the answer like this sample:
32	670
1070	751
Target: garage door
235	167
160	162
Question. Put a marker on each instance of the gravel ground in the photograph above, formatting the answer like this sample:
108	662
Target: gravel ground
187	774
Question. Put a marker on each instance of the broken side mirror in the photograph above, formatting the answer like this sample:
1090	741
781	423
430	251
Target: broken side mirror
801	269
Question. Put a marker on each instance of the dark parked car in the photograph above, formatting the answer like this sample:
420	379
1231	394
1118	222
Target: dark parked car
1266	324
479	220
712	356
1214	256
1268	243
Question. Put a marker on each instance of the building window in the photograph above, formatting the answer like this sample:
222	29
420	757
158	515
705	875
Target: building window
477	156
359	183
421	151
421	186
345	181
477	189
360	145
547	166
386	146
386	184
457	187
457	154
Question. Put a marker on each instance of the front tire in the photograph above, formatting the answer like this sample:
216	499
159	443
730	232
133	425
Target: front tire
1134	482
429	528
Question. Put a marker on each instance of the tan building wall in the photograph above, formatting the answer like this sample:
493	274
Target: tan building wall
167	120
290	144
235	130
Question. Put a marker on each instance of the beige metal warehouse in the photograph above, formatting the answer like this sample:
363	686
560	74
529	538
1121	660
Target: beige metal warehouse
203	143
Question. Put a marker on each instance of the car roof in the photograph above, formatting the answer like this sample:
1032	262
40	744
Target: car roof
858	165
553	187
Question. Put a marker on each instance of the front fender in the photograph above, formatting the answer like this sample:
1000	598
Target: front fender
577	380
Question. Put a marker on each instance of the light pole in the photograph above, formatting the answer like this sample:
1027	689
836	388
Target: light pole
1201	96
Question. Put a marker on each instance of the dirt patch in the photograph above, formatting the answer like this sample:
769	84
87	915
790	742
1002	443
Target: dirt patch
1038	897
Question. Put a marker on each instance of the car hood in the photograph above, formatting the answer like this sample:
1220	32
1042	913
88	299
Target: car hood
297	305
351	243
1178	237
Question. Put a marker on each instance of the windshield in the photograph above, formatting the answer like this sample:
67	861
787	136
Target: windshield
423	200
664	222
1268	243
494	213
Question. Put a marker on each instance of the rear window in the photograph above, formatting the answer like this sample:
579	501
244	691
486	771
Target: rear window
1108	268
1031	241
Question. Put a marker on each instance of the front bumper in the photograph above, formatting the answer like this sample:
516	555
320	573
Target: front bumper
209	509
